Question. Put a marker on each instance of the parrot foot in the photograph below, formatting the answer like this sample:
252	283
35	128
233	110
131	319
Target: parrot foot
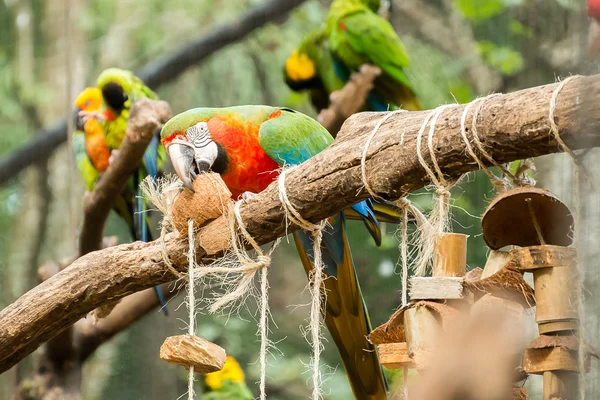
113	156
247	196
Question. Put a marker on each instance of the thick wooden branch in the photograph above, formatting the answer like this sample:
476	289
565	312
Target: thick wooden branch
157	72
512	127
145	118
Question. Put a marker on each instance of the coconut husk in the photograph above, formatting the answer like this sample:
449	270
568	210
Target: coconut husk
208	201
507	283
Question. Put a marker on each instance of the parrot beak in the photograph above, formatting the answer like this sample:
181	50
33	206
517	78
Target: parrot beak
79	122
182	157
189	160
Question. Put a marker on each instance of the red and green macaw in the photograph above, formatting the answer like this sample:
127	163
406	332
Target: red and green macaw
357	35
247	145
103	120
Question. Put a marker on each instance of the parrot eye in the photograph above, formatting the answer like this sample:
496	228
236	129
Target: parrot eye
199	135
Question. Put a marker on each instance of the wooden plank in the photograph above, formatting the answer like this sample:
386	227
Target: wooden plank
424	288
537	361
536	257
395	356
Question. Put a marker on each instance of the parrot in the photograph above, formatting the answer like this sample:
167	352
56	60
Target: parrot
247	145
89	100
104	122
357	36
227	384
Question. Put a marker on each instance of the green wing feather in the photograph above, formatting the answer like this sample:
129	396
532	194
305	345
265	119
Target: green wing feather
359	36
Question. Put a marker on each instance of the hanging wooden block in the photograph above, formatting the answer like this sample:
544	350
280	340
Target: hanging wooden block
510	219
188	350
390	340
424	323
449	268
395	356
555	282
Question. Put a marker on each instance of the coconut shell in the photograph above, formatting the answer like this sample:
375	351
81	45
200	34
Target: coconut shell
208	201
508	219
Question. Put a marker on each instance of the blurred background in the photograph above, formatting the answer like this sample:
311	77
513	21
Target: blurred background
459	49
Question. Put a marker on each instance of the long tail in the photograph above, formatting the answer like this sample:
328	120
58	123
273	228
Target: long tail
345	311
142	228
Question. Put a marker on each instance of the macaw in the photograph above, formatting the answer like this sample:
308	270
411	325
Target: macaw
357	36
247	145
93	158
227	384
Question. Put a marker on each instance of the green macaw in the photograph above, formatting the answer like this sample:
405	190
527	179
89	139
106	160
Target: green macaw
357	36
247	145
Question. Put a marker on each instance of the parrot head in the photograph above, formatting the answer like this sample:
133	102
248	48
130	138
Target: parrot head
116	86
192	150
90	99
300	71
300	67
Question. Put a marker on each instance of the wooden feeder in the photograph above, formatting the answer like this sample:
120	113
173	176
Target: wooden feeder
511	217
556	358
556	285
193	351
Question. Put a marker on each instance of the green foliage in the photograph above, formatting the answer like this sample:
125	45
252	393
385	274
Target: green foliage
480	10
505	59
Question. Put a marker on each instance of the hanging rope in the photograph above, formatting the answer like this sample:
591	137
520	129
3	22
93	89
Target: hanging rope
315	281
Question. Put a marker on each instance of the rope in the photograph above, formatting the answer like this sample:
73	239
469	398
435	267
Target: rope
315	281
191	300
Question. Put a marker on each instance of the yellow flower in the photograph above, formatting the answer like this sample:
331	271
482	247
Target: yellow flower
299	67
231	372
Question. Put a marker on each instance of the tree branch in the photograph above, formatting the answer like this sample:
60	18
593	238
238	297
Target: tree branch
157	72
350	99
512	126
145	118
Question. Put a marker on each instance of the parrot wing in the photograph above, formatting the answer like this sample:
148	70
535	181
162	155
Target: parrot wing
374	37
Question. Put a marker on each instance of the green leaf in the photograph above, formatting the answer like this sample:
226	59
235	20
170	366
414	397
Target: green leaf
480	10
505	59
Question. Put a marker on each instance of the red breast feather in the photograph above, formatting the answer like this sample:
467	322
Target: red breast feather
250	169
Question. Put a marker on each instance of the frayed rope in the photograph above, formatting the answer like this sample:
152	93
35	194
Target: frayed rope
315	281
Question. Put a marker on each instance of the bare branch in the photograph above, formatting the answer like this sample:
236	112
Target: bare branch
511	127
350	99
157	72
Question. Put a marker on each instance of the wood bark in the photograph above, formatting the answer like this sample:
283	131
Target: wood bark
511	127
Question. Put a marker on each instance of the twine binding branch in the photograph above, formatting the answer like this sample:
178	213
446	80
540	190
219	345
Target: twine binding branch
315	281
403	203
439	216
